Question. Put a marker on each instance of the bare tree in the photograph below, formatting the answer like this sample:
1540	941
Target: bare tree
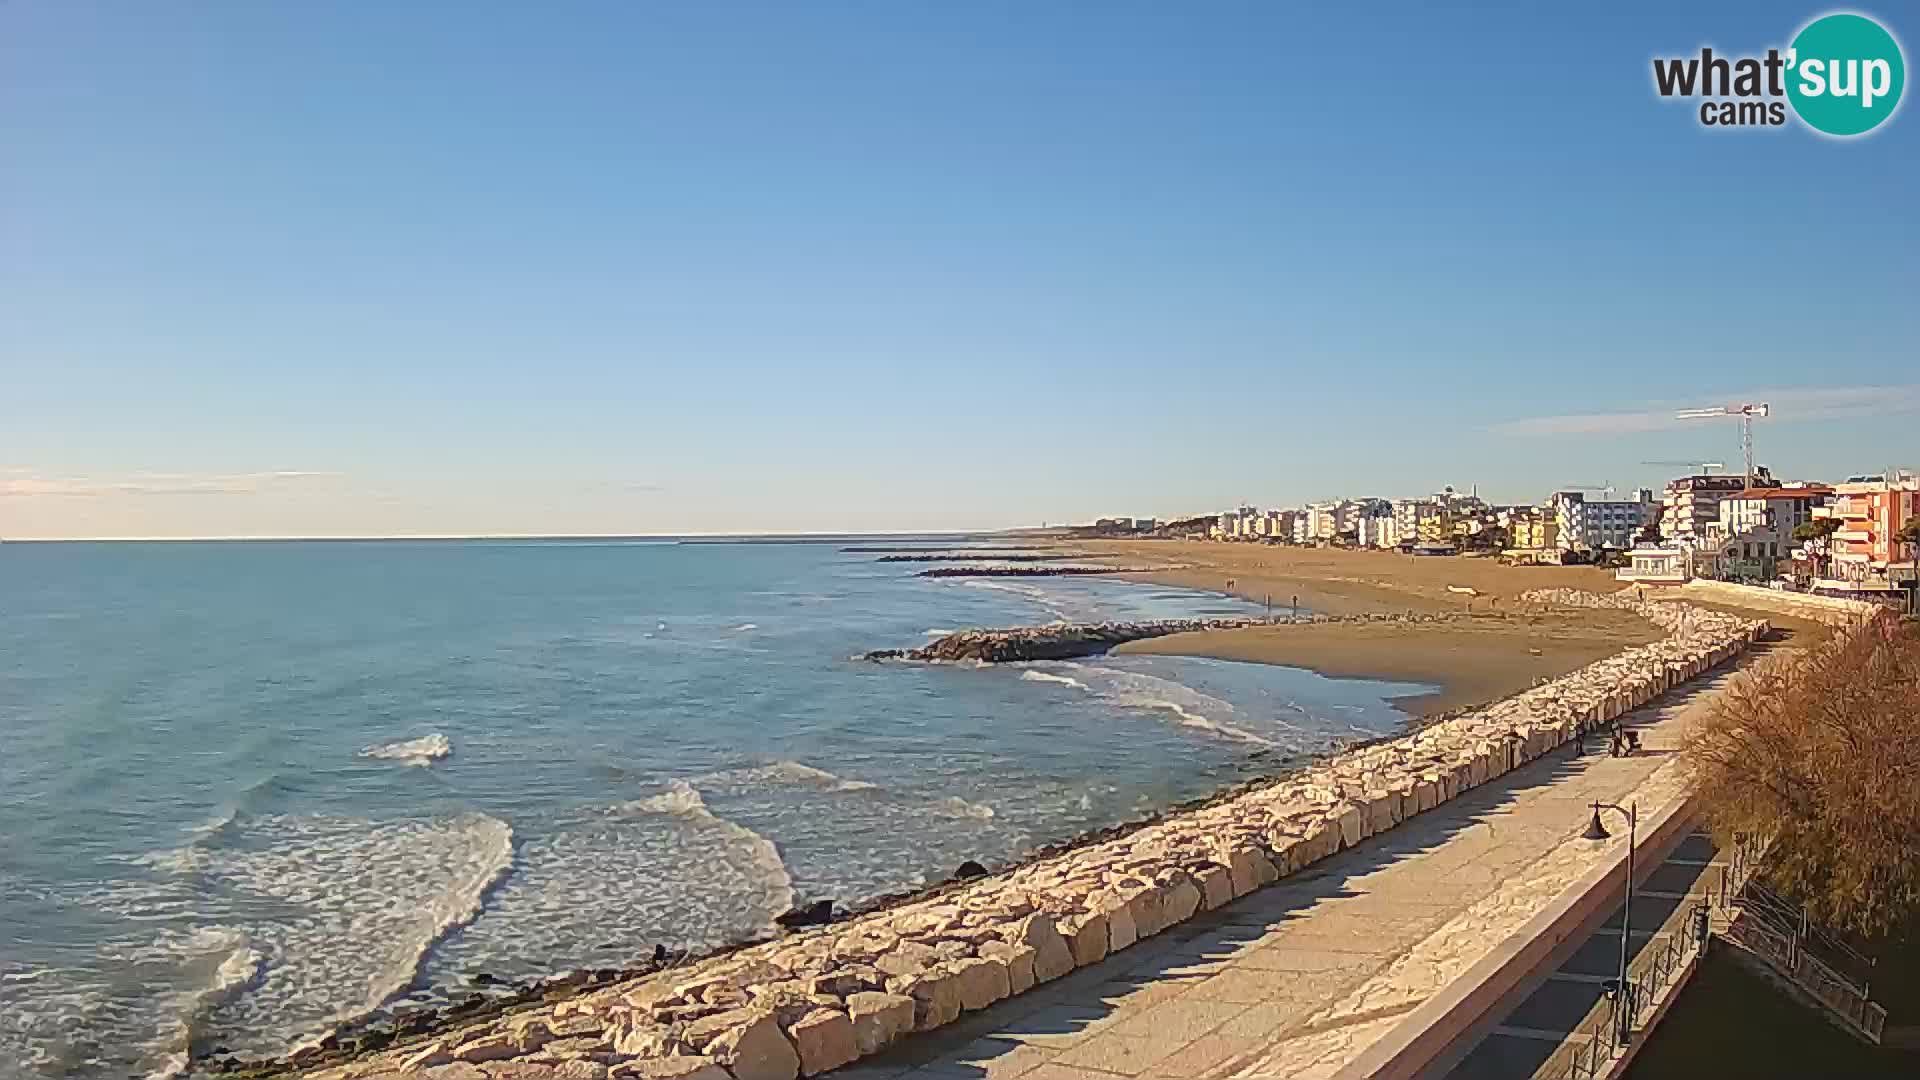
1821	752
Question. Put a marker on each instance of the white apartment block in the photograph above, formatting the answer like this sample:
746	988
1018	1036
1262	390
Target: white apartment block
1592	524
1692	503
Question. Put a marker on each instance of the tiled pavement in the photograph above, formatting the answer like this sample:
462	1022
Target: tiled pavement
1299	978
1537	1026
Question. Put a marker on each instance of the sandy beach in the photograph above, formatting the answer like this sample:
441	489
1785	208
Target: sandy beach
1471	660
1499	647
1342	582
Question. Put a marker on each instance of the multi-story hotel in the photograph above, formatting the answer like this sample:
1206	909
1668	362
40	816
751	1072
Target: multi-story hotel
1691	503
1863	556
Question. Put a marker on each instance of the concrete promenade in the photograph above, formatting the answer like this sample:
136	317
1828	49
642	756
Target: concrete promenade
1300	978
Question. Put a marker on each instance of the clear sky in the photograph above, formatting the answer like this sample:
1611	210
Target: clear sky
442	268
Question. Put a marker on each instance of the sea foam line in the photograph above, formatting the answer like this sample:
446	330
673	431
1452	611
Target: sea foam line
421	751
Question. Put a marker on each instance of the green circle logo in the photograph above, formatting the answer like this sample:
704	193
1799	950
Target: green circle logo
1845	74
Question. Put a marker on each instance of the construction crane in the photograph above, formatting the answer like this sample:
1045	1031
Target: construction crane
1746	411
1604	489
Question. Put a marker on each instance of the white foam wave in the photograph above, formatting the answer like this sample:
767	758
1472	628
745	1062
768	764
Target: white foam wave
936	632
781	772
180	860
422	751
1135	690
679	798
744	627
1046	601
239	966
331	917
601	889
957	807
1047	676
29	975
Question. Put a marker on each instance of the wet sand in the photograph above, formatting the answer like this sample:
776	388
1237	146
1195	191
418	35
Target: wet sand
1471	660
1499	646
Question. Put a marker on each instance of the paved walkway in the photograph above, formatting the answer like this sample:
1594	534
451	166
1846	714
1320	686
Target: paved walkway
1539	1025
1298	978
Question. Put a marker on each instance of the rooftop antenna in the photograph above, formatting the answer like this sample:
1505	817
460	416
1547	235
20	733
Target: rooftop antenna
1746	411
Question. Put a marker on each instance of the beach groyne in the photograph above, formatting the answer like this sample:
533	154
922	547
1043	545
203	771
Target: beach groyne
950	556
1067	641
824	997
1047	570
1058	641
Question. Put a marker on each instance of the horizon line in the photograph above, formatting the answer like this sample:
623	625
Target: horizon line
364	538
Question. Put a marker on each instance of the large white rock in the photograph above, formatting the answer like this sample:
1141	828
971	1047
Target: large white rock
824	1040
1089	939
676	1067
1216	887
980	981
1052	956
1020	963
1181	901
757	1049
936	998
878	1019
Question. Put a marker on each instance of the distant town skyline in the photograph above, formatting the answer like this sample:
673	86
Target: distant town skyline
356	270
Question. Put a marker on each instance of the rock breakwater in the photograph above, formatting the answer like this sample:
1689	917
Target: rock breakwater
822	998
1052	570
1059	641
949	556
1066	641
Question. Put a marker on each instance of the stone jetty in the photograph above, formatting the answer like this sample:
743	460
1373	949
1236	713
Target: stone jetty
1065	641
1058	641
951	556
826	996
1036	571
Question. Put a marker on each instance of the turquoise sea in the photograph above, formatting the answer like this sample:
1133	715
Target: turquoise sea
250	790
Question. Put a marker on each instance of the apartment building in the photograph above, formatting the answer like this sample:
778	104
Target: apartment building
1754	530
1863	556
1691	503
1595	524
1533	529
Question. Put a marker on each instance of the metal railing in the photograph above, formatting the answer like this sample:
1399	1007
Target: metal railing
1589	1049
1829	970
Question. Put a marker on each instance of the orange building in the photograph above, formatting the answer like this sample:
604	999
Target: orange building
1864	555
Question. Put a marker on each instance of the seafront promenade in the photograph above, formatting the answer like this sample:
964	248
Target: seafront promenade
1310	913
1303	978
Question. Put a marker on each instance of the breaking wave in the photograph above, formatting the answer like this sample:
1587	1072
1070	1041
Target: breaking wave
269	937
600	887
422	751
1047	676
373	900
1133	690
1045	600
782	772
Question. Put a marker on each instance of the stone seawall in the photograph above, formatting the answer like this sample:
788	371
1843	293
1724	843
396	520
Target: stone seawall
819	999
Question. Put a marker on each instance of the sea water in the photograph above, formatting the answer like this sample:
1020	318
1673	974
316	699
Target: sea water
251	790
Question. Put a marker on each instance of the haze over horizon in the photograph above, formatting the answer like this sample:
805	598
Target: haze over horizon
355	270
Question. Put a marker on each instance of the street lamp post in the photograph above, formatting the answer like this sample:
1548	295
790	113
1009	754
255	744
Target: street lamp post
1597	830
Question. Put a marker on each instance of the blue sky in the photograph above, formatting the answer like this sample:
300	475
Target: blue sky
359	268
